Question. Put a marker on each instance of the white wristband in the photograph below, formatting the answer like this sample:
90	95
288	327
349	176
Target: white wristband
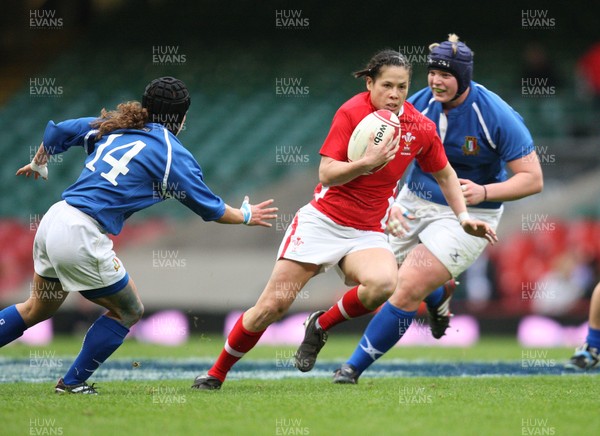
463	216
246	210
42	170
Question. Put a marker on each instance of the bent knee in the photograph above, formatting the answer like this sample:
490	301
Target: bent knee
136	312
378	290
130	315
408	293
268	313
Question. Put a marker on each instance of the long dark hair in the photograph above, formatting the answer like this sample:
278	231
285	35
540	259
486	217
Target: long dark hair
381	59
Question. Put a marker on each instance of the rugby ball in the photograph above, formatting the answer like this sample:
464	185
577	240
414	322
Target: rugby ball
382	123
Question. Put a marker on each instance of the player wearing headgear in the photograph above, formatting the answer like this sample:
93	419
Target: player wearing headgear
481	135
134	161
343	226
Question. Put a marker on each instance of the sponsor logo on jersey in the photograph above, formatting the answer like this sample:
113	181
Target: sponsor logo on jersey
470	147
408	138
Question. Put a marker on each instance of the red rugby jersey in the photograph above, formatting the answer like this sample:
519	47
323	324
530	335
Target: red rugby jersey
364	203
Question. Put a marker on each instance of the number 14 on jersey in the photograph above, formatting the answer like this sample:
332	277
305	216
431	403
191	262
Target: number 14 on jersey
119	166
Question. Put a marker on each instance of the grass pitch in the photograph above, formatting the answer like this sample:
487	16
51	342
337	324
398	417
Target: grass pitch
488	405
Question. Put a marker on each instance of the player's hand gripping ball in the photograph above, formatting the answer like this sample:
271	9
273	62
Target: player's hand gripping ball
383	124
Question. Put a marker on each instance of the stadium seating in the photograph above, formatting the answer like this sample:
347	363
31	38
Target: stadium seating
523	259
234	132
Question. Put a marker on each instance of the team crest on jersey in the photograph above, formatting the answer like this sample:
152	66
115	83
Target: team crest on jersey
296	243
408	138
470	147
116	264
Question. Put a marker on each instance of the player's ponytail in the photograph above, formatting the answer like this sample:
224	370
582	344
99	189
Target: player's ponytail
382	59
128	115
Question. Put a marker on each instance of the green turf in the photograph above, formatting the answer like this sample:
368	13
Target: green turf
419	406
550	405
338	347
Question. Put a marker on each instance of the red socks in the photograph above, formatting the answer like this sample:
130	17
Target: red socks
346	308
240	340
238	343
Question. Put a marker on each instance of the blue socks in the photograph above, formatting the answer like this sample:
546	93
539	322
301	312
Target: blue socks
593	338
101	340
385	329
12	325
435	297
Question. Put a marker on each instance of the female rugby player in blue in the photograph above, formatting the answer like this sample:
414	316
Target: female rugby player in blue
481	135
134	161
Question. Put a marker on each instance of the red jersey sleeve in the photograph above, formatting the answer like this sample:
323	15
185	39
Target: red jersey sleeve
336	143
432	157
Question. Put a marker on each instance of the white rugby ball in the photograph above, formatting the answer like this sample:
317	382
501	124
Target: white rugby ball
382	123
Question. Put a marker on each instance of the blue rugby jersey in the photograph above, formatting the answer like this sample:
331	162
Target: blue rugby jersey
129	170
481	135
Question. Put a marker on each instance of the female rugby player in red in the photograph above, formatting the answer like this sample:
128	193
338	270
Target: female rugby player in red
343	226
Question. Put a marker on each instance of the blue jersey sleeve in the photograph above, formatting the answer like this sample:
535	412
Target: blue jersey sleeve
185	183
514	139
420	99
59	137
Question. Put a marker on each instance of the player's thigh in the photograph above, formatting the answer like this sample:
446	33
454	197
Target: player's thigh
287	279
451	245
424	212
371	267
420	273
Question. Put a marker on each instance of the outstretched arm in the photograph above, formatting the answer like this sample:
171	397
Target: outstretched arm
38	166
249	214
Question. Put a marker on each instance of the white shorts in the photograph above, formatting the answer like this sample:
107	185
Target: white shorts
312	237
438	229
72	247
